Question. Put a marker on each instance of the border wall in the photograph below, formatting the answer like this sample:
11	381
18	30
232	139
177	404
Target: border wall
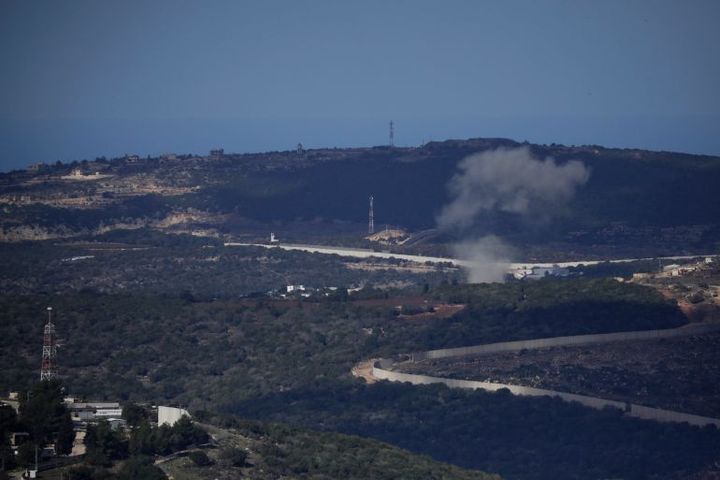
639	411
576	340
382	369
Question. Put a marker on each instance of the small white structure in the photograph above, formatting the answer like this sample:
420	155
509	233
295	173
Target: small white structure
537	273
295	288
170	415
92	411
521	273
273	238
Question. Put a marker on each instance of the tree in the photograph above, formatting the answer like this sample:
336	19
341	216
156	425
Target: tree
26	454
142	440
43	413
65	435
84	472
8	422
200	458
184	433
134	414
104	445
140	468
233	456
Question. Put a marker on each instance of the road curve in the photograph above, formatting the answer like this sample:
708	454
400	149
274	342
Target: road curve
367	253
382	369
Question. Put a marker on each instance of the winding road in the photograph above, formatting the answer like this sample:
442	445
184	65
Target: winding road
384	369
367	253
373	370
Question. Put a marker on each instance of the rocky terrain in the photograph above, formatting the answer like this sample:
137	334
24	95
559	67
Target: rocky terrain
635	201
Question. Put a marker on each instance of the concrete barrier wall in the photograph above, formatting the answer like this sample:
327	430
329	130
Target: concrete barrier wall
381	371
576	340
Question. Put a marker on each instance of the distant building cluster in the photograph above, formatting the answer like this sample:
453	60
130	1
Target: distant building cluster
306	292
82	413
538	273
91	412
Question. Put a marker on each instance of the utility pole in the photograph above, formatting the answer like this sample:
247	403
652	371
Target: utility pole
371	217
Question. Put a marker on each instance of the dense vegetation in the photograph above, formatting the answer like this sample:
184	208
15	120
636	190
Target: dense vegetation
548	308
105	445
42	415
289	360
142	347
151	317
134	450
267	451
672	373
199	268
519	437
635	201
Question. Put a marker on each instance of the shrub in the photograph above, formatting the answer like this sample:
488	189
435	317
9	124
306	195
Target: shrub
200	458
233	456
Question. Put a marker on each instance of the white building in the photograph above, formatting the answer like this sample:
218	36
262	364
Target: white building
91	411
170	415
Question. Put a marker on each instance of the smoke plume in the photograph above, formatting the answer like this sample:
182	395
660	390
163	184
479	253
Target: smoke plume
487	258
512	181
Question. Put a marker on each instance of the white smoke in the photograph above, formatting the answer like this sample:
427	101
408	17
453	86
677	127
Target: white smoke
511	181
487	258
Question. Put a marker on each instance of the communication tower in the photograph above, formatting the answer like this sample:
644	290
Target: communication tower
371	218
49	352
392	134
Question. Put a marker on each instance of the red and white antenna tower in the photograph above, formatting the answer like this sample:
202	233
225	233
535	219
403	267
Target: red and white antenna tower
49	367
371	218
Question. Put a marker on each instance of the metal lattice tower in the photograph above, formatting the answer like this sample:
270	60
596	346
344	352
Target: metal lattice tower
371	218
392	134
49	352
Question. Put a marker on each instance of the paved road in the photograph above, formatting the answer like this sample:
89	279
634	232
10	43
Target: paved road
366	253
384	369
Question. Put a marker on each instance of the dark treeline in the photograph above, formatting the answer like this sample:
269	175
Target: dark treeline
175	348
290	360
519	437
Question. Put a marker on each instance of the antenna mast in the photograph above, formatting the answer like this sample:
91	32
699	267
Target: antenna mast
392	134
371	218
49	352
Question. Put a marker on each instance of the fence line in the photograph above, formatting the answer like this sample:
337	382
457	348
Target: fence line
575	340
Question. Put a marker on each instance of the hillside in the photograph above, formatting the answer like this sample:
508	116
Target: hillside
289	360
277	451
207	353
634	201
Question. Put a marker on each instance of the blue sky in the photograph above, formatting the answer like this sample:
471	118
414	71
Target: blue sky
87	78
